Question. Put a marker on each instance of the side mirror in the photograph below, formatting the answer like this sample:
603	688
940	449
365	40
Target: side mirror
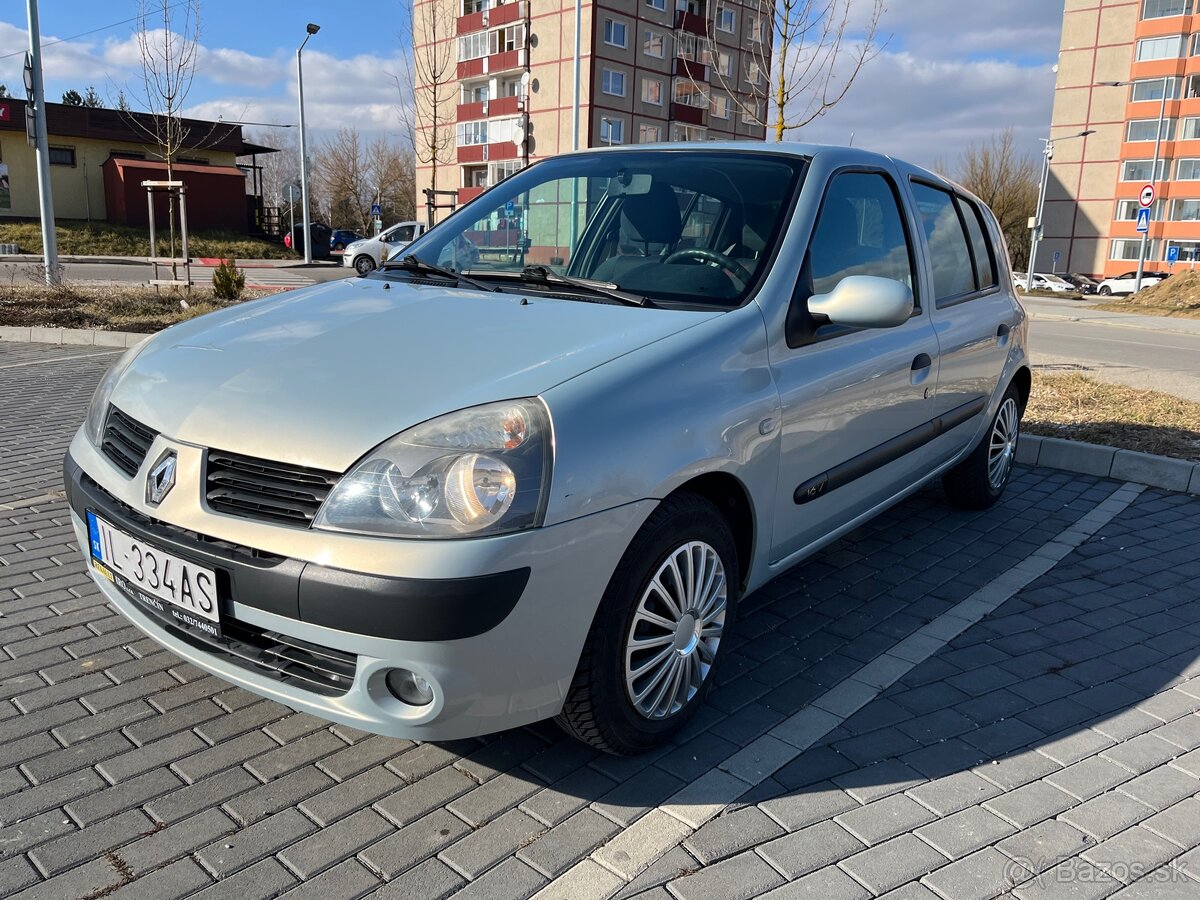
865	301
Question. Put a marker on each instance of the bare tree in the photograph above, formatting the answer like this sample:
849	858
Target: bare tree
799	59
1006	179
429	85
168	38
351	174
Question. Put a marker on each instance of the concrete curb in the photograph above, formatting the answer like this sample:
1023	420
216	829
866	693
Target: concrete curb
1051	453
74	337
1109	462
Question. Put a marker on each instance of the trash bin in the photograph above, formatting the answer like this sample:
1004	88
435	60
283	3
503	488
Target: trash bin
319	235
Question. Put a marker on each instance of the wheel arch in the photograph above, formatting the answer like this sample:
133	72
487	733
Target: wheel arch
732	499
1023	379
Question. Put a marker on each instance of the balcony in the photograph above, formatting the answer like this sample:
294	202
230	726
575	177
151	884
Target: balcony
477	153
690	115
502	14
485	109
472	68
690	22
689	68
495	64
469	193
469	112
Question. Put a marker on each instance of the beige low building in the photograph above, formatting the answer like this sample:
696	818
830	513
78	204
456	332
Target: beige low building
99	157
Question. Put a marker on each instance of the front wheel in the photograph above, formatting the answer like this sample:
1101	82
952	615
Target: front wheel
1105	291
648	659
364	265
978	481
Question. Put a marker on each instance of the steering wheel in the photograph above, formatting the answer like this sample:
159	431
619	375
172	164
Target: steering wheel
727	263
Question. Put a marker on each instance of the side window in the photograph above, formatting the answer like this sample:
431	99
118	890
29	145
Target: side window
981	246
953	274
860	231
402	234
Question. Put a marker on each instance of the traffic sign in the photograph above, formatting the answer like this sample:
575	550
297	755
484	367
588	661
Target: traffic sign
1143	225
1057	255
376	209
1173	255
1147	196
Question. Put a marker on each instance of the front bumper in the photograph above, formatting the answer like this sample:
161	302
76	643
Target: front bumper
499	644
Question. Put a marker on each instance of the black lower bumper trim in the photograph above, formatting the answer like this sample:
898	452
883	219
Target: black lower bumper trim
403	609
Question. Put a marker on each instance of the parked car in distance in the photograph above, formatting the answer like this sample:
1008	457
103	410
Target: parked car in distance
369	253
1082	283
1124	283
342	238
1043	282
497	482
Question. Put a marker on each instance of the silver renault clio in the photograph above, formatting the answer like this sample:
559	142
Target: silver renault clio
529	468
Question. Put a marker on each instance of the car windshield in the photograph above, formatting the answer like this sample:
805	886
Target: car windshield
675	226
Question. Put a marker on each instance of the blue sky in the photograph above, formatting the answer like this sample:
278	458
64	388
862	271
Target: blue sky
951	72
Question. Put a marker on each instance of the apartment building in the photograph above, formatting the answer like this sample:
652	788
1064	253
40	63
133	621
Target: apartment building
495	80
1122	64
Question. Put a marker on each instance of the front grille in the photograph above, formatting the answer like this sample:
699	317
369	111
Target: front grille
126	441
265	490
289	660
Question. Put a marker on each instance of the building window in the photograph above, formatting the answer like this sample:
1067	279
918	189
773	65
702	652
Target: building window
654	44
1191	129
720	106
1152	89
470	133
1160	47
726	19
1127	210
475	93
652	91
62	156
473	6
1185	211
613	82
649	134
1147	129
724	63
752	113
1130	248
681	132
754	29
615	33
660	5
472	46
1187	170
1139	170
497	172
612	131
754	73
506	39
688	94
1189	251
1160	9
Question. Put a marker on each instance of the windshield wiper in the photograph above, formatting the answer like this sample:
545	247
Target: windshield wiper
543	275
417	265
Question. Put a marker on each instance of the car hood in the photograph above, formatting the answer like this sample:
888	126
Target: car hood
319	376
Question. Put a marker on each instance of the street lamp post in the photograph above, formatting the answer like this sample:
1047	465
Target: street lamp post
1162	112
1047	155
606	122
312	29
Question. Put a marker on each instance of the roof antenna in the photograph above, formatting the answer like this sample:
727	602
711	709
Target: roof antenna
852	139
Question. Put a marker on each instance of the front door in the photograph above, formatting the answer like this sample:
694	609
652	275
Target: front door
854	401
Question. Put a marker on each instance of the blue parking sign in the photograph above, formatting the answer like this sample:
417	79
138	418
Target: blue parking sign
1172	254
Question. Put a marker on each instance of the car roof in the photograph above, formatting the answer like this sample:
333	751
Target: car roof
832	153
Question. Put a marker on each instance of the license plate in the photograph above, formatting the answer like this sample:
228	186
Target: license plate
162	581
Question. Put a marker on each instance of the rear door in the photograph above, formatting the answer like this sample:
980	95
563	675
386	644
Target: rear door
972	314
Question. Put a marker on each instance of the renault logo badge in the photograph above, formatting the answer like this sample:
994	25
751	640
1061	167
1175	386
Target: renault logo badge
161	478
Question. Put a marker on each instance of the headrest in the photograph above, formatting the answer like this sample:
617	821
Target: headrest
652	217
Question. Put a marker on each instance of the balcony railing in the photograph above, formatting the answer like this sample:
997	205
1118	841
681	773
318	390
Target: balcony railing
485	109
691	115
689	68
502	14
469	193
690	22
498	150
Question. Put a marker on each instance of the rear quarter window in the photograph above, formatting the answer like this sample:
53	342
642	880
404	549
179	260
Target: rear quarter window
981	245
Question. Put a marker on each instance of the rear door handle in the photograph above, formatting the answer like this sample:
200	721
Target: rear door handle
922	361
1003	330
922	366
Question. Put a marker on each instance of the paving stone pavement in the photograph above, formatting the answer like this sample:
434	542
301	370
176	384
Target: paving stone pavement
942	705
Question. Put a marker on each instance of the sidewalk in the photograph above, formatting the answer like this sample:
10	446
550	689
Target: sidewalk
202	261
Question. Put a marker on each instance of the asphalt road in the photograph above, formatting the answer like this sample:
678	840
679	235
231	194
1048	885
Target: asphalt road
135	273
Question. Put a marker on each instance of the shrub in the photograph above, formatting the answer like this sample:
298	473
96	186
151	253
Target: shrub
228	281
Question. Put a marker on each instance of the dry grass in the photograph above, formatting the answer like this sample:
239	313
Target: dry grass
1178	296
1076	407
102	239
124	307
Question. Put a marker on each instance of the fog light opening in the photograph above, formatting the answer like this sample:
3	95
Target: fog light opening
409	687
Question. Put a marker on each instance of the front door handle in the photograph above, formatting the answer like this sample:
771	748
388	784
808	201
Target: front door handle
922	366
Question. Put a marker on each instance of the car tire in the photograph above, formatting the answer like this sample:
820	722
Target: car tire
364	265
1104	291
617	701
979	480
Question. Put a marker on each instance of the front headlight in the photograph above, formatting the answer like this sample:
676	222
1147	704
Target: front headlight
484	470
93	425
